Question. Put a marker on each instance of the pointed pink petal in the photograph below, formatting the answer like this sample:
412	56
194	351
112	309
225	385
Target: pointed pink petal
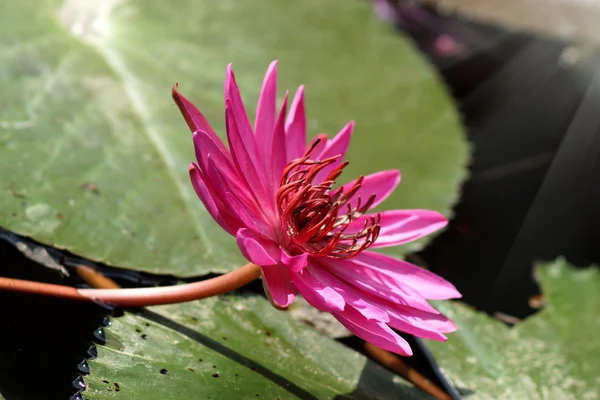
351	296
204	145
278	285
206	148
336	146
385	286
232	93
199	184
374	332
403	226
318	295
381	184
246	167
194	117
278	148
257	249
239	202
295	127
294	263
426	283
408	324
425	320
265	115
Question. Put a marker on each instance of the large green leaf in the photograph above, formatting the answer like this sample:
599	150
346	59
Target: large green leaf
554	354
232	347
94	154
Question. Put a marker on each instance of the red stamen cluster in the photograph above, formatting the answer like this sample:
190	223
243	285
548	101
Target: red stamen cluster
311	212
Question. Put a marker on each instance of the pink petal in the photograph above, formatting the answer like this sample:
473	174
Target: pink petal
257	249
244	162
403	226
429	321
336	146
241	212
428	284
381	184
374	332
278	148
199	184
294	263
414	326
295	127
206	148
232	93
194	117
278	285
372	281
318	295
351	296
237	201
265	115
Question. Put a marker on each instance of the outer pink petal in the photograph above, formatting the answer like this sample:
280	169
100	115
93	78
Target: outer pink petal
336	146
428	284
206	148
257	249
294	263
429	321
295	126
351	296
207	198
278	285
238	202
265	115
245	163
317	294
372	281
232	93
403	226
374	332
381	184
194	117
278	148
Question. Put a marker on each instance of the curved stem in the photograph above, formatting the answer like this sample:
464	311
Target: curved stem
141	297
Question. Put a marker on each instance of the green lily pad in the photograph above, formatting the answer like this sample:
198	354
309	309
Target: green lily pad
232	347
95	153
554	354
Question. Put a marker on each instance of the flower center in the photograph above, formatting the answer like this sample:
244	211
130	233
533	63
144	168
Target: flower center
315	217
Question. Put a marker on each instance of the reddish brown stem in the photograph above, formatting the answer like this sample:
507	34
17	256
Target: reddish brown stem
141	297
94	278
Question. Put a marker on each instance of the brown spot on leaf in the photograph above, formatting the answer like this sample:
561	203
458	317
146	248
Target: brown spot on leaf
90	187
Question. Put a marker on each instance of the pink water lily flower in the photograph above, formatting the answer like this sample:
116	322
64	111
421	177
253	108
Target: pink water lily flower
275	195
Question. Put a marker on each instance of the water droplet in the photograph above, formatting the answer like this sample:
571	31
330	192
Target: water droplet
79	383
164	371
83	367
92	352
106	322
76	396
99	335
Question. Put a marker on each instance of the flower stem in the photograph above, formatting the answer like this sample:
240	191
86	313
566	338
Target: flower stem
141	297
